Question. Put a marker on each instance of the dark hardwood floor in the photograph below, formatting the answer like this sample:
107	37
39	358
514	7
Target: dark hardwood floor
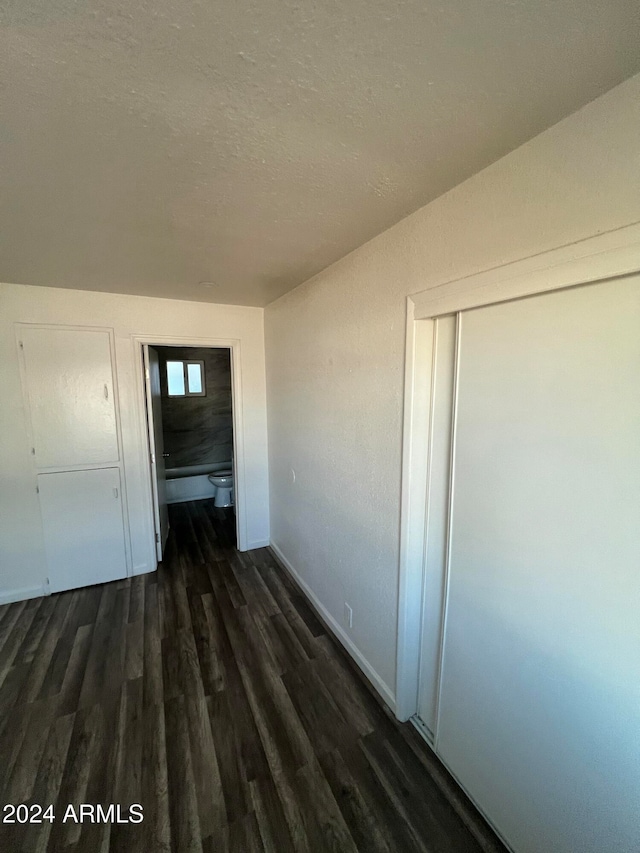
210	694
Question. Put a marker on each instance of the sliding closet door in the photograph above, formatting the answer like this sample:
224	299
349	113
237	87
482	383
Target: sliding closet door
539	711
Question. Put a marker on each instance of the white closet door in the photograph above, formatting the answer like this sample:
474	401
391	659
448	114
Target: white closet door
83	527
540	695
70	389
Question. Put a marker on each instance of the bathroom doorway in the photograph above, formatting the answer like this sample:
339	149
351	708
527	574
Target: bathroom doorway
190	419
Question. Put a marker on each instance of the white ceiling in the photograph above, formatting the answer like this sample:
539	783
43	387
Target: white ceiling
149	145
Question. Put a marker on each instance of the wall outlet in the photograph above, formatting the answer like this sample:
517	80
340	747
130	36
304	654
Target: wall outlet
348	615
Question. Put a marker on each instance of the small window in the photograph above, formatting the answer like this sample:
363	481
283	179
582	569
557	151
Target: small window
185	378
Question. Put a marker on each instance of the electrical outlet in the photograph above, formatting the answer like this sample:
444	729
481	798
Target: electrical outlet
348	615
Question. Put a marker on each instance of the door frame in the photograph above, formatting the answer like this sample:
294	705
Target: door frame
604	256
239	467
153	453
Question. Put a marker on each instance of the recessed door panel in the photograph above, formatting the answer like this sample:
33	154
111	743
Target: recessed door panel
71	397
83	527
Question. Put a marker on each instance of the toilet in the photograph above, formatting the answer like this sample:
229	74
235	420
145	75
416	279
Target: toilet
223	481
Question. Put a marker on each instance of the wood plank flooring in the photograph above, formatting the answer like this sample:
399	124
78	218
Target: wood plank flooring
210	694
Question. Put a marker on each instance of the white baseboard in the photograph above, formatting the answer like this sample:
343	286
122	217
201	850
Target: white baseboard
372	676
22	594
143	569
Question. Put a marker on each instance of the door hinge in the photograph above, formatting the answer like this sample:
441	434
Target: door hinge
37	490
153	458
147	374
158	538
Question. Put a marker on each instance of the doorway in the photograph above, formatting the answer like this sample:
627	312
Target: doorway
189	399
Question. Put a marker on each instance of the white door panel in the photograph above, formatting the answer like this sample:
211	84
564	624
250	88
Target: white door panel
83	527
156	447
540	693
71	396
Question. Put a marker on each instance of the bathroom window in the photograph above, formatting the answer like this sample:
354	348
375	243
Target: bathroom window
185	378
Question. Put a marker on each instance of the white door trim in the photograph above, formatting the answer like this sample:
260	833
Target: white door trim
608	255
603	256
153	459
232	344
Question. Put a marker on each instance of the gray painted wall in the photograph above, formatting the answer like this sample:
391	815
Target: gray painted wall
198	430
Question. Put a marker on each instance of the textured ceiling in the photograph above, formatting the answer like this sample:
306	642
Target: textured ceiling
149	146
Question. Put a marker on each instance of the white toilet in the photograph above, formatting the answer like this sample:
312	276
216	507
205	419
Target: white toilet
223	481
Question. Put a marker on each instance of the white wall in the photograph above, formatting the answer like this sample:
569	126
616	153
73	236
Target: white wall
22	560
335	353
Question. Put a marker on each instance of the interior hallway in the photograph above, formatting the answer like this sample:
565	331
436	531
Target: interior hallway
209	693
